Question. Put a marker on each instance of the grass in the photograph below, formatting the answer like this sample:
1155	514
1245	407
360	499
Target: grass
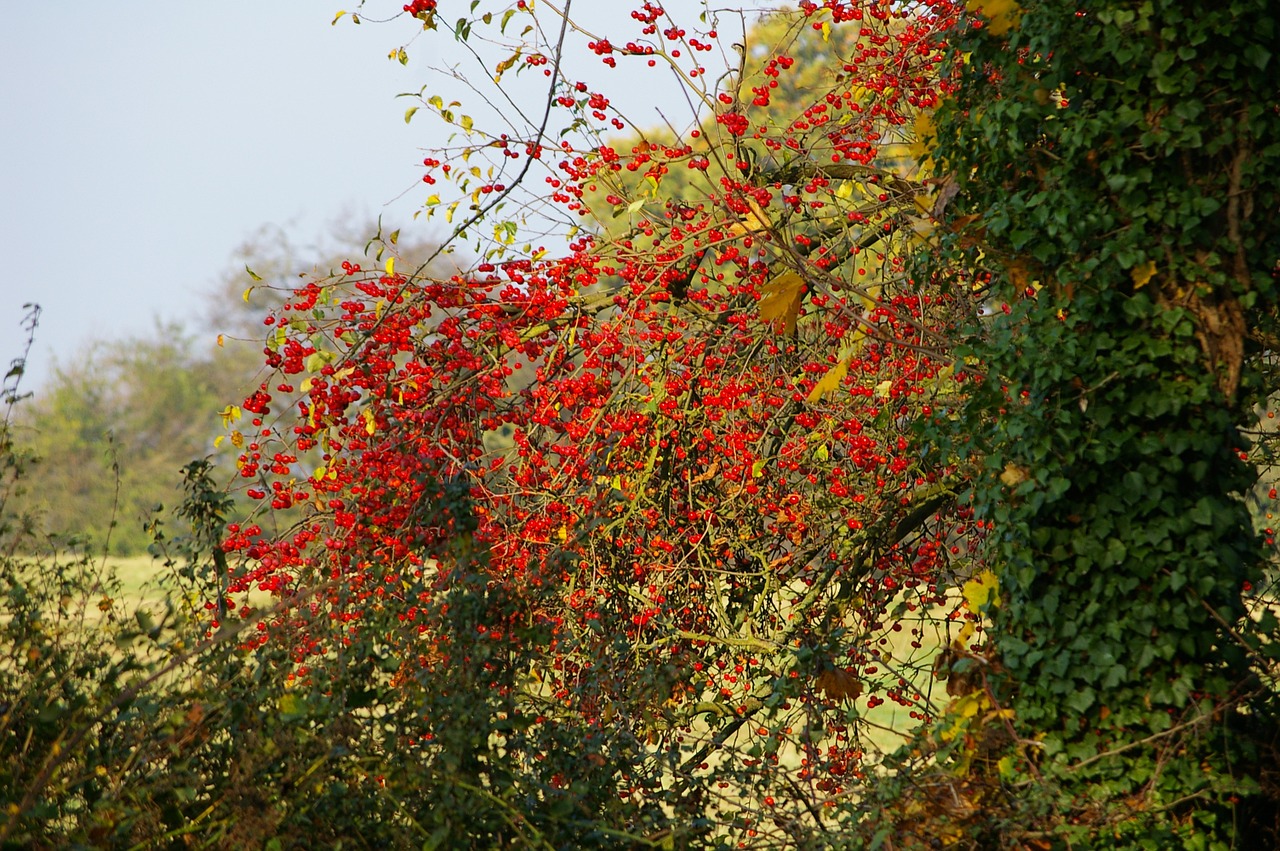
144	582
139	577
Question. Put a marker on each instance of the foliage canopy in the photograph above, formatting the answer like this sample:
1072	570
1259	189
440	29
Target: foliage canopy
862	460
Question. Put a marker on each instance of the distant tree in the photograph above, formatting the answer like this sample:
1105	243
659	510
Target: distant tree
114	426
112	431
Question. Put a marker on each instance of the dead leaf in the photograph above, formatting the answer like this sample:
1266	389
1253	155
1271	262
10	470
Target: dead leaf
948	189
1014	475
707	475
839	684
1020	273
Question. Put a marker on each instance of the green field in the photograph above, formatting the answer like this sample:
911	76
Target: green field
139	576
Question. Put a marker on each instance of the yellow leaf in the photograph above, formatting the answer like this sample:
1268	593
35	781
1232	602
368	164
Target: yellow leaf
246	295
1143	274
826	31
217	441
391	265
982	590
755	221
870	297
229	414
922	136
562	534
1001	15
338	17
923	227
1014	475
237	439
220	341
969	705
829	382
844	190
369	425
780	301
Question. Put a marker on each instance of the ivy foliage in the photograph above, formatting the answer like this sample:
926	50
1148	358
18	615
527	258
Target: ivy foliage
1115	169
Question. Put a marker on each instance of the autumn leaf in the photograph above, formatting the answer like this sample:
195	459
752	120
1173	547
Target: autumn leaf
1020	273
1143	274
982	590
922	137
706	475
756	220
1014	475
838	684
780	301
1002	15
829	382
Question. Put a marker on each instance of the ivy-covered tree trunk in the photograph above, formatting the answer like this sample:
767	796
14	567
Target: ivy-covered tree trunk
1123	161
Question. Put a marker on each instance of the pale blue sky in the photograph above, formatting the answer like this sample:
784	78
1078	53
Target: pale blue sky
141	142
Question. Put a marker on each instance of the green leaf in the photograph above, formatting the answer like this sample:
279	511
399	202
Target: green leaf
1081	699
292	707
1258	56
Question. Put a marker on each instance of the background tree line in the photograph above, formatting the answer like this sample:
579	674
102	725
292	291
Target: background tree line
113	427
